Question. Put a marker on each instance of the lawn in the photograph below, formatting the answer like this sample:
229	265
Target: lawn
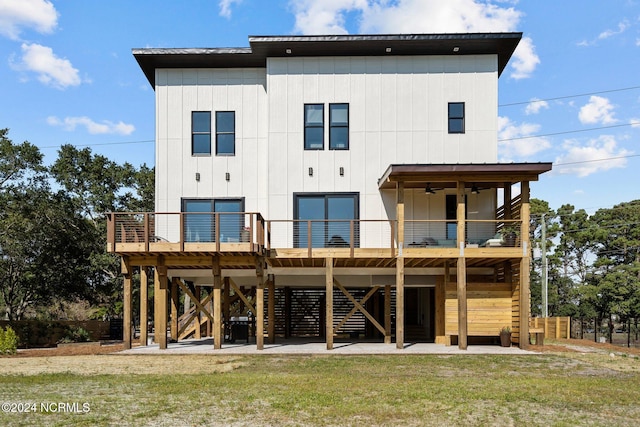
563	388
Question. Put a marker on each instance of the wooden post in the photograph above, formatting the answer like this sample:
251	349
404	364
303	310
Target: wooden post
400	215
128	307
198	319
217	309
144	306
399	302
462	269
507	201
329	303
160	298
387	314
462	303
524	265
271	309
174	308
259	303
557	327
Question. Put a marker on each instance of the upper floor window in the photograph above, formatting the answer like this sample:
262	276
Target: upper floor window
225	133
313	126
456	117
200	132
338	126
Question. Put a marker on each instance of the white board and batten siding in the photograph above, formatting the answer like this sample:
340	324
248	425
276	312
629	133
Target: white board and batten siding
397	114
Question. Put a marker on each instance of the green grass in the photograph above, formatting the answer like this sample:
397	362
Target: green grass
559	389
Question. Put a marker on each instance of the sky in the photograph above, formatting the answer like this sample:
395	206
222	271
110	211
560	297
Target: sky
570	95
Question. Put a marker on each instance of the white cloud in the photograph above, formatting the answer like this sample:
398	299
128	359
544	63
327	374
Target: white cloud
51	70
106	127
635	122
622	26
597	155
15	15
597	110
535	106
416	16
515	141
225	7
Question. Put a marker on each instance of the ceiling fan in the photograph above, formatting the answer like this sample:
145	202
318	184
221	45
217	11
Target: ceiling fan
430	190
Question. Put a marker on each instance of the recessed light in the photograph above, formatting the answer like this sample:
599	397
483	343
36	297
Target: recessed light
388	50
456	49
288	51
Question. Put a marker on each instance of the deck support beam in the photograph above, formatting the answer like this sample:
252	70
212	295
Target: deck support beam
525	210
144	306
329	303
160	301
399	302
128	306
198	297
259	303
462	268
217	308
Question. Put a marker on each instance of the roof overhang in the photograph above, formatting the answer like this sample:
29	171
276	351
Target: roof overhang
493	175
262	47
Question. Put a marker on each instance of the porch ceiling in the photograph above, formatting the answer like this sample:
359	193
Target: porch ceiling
493	175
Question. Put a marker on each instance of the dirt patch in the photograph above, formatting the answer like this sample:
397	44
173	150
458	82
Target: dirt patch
70	350
585	346
117	364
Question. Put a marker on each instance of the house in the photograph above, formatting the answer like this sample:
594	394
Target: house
333	186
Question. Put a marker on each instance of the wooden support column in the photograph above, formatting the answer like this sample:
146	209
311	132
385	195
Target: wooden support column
217	308
144	306
271	309
128	306
175	301
198	295
399	302
461	276
259	303
160	301
329	303
525	305
507	201
400	215
387	314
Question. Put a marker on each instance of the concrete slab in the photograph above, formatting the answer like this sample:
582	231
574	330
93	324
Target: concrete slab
296	346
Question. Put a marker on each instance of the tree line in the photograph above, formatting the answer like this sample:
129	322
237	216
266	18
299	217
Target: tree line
53	227
53	240
593	265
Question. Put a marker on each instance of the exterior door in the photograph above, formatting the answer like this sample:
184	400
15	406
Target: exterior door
330	216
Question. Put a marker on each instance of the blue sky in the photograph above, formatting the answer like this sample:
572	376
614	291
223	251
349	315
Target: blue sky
67	74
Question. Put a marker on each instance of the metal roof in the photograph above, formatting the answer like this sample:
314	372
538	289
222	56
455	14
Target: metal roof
446	175
262	47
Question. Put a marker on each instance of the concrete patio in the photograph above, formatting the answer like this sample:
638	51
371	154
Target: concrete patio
302	346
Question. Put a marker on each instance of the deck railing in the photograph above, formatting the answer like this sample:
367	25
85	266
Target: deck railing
185	227
180	228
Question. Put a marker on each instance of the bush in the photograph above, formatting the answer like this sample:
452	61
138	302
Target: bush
8	341
75	334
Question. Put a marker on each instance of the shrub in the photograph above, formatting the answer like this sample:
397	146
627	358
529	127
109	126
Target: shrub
75	334
8	341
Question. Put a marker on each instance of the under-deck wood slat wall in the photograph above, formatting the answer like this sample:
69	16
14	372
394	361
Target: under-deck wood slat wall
307	311
488	308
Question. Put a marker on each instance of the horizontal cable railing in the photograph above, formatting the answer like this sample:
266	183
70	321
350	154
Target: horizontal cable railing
314	234
490	233
185	227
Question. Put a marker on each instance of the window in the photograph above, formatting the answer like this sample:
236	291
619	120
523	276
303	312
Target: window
313	126
331	216
338	126
456	117
200	221
225	133
200	132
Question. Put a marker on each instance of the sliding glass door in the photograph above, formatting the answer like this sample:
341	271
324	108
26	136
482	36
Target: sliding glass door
199	220
330	218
